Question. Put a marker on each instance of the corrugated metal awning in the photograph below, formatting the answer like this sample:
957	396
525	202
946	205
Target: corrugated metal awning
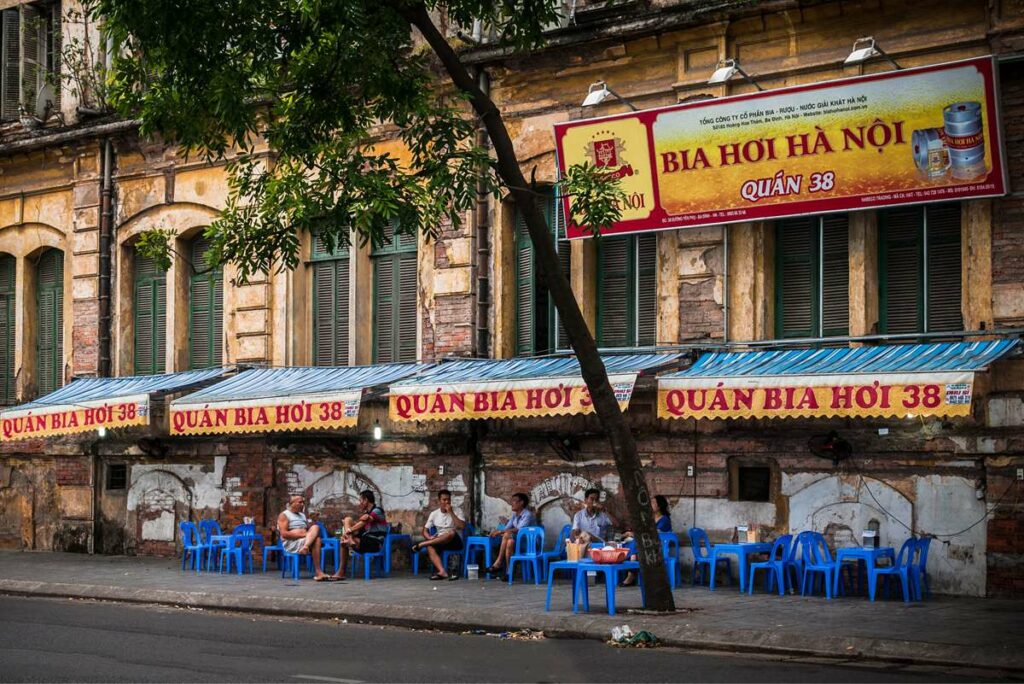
514	388
892	380
91	403
275	399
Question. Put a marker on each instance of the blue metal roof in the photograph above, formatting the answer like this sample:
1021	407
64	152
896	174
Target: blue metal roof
897	358
509	370
81	390
270	383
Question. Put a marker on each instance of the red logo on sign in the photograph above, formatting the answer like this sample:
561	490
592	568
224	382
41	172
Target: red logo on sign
605	153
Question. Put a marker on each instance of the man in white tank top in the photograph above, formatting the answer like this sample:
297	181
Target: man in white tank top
299	535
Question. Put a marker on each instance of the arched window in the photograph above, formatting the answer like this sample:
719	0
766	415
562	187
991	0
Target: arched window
50	321
7	282
150	317
205	308
394	298
330	305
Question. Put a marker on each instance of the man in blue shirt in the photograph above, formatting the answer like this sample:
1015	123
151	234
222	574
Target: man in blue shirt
521	517
592	519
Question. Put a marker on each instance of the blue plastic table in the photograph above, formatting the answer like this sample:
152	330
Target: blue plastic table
742	550
611	580
570	567
479	542
869	556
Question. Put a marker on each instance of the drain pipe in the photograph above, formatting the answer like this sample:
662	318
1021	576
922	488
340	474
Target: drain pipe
482	239
106	230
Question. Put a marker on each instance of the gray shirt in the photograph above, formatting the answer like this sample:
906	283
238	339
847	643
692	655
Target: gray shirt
597	525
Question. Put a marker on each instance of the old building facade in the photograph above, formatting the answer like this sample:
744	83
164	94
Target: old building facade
78	301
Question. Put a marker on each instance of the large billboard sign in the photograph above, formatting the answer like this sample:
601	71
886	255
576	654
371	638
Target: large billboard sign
902	137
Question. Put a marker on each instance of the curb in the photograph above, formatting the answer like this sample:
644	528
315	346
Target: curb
584	627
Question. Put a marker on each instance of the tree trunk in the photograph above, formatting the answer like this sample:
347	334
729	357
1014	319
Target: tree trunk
627	460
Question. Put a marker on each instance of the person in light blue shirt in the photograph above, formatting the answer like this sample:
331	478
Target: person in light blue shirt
521	517
592	519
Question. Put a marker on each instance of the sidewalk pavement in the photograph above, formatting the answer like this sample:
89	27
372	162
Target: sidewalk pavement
944	631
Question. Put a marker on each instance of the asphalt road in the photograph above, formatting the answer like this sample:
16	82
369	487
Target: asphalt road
70	640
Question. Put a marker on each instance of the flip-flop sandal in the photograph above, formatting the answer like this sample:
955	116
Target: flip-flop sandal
324	578
436	577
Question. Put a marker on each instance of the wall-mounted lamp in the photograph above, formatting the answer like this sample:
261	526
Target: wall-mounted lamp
378	433
865	49
599	92
101	431
728	68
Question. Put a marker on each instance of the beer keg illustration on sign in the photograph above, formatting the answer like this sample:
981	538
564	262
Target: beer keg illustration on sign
965	139
931	156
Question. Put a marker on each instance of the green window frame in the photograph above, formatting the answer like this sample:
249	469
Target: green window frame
627	287
50	321
919	269
537	328
812	277
395	286
8	275
331	299
205	308
150	314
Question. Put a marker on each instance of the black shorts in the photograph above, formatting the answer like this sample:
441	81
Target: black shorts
369	543
453	544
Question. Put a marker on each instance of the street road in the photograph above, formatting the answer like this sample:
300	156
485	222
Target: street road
65	640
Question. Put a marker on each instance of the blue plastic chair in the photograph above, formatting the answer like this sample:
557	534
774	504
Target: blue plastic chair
191	545
369	558
702	556
818	560
529	552
922	567
793	565
670	551
468	531
291	563
328	544
558	552
774	567
904	569
209	529
238	547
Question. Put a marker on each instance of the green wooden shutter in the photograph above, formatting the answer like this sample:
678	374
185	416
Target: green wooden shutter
526	283
646	290
796	277
10	64
615	308
395	316
330	305
33	55
54	30
150	317
7	297
206	309
835	275
50	325
944	263
901	272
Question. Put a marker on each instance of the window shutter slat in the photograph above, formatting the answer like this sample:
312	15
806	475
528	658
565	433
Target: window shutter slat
341	308
160	325
795	249
614	255
647	290
901	270
944	263
383	314
835	281
565	263
10	64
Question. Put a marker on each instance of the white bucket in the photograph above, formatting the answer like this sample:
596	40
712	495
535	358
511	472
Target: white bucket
472	571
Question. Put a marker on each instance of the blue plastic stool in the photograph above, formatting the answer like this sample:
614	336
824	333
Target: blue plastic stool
571	567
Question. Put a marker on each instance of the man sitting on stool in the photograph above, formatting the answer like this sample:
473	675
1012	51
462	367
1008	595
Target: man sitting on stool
446	522
365	535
